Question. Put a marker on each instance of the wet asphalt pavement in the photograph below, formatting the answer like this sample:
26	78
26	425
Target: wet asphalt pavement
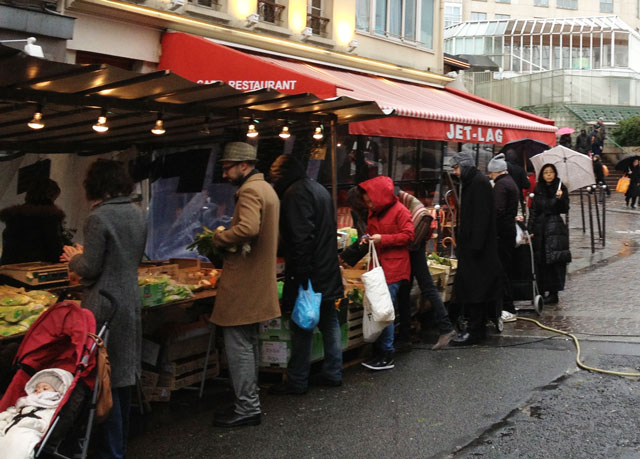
520	395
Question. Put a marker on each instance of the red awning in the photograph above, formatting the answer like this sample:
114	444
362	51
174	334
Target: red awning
424	112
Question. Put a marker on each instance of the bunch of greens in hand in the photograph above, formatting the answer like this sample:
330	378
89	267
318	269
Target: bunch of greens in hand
204	245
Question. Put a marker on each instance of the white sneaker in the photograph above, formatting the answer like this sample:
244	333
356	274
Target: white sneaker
508	317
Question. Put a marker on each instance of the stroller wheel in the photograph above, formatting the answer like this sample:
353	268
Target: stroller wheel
499	325
538	304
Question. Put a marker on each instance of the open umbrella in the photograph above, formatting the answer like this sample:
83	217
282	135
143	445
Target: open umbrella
565	130
574	169
520	151
625	163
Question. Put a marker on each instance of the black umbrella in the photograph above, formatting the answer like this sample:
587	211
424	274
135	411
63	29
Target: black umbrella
625	163
519	151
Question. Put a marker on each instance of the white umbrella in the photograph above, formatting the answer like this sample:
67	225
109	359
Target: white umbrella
574	169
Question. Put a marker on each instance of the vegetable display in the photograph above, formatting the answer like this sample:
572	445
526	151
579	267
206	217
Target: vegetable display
204	245
19	308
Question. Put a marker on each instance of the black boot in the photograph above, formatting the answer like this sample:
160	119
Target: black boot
551	298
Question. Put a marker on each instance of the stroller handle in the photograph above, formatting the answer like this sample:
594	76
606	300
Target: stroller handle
114	303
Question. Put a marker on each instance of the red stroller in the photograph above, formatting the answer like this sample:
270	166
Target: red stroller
61	338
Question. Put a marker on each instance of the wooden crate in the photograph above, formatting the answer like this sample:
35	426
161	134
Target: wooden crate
156	394
175	382
149	379
183	366
170	270
176	350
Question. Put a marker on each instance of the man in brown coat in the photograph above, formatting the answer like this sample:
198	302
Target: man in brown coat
247	290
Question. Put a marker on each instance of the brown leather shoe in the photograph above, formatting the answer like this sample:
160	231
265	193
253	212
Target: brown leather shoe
444	340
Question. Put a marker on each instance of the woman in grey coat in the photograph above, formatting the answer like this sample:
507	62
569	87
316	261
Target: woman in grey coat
114	240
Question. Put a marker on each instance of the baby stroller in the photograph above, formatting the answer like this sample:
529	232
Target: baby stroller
61	338
524	283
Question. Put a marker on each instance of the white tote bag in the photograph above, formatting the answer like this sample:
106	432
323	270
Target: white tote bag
371	329
376	290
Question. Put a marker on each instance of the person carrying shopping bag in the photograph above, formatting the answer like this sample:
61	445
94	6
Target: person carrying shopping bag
390	228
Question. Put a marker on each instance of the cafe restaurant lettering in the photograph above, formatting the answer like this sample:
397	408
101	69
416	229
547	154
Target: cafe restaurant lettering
475	134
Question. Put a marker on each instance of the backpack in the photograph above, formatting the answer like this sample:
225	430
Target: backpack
104	400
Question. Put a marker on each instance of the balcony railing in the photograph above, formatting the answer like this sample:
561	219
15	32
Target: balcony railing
270	11
318	24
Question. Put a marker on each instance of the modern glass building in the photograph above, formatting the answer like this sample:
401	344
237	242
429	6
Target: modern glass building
572	70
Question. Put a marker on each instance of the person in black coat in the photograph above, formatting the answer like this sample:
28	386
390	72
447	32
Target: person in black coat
34	230
634	184
478	281
506	196
549	233
583	143
308	236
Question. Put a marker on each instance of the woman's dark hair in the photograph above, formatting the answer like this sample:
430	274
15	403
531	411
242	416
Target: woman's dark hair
107	179
43	192
540	175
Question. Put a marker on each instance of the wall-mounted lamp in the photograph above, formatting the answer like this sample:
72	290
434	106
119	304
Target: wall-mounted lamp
252	132
353	44
101	125
158	128
253	19
36	122
318	134
285	134
306	32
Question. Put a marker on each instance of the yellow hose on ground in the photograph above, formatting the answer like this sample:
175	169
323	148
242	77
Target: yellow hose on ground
577	343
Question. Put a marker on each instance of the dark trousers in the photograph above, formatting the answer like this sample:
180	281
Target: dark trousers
301	342
506	248
477	315
420	271
112	434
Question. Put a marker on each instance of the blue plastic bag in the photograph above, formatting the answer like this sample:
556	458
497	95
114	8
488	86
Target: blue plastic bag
306	311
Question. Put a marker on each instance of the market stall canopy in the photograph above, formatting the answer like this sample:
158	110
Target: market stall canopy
72	97
424	112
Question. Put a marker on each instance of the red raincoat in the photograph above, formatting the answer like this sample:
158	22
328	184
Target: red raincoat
392	221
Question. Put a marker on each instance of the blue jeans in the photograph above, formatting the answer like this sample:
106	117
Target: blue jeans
113	432
386	338
301	342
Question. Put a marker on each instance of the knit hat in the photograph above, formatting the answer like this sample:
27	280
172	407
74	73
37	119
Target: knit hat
55	377
462	159
497	164
238	152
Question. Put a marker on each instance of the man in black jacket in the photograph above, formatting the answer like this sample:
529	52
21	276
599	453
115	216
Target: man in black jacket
583	143
308	242
506	197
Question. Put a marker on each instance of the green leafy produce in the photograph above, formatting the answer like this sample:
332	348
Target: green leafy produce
356	296
203	244
439	260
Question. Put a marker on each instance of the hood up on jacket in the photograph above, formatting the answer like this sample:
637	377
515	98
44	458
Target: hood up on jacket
285	170
380	191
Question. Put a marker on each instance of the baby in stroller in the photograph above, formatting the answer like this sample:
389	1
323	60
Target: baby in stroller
23	425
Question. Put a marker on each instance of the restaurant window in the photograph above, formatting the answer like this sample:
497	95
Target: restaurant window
430	160
606	6
359	158
404	159
407	20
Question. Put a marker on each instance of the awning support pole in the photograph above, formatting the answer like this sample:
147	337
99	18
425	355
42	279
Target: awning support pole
334	167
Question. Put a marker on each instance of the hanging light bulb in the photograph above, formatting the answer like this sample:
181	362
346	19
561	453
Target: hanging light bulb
318	135
285	134
101	125
158	129
252	132
36	122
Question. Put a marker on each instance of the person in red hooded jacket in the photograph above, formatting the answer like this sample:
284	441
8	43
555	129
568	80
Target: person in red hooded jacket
391	229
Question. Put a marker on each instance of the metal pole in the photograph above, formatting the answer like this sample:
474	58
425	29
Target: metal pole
334	167
438	229
584	227
593	247
604	215
597	210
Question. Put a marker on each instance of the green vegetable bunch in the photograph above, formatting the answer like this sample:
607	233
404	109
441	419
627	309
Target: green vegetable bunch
204	245
356	296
